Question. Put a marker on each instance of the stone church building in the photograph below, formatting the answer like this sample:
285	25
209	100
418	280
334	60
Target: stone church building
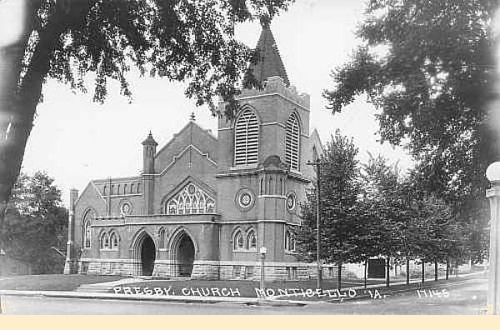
203	206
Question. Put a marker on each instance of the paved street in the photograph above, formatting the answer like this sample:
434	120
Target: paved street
465	298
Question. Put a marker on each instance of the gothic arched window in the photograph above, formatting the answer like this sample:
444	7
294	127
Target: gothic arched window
105	241
190	200
251	240
289	241
238	242
161	238
293	142
87	232
114	241
246	139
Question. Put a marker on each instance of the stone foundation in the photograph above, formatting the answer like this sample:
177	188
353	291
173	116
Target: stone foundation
250	270
206	270
107	267
70	267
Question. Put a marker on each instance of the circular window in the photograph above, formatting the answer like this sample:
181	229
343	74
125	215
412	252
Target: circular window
291	201
125	208
245	199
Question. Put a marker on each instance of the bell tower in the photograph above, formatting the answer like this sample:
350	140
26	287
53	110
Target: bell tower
261	156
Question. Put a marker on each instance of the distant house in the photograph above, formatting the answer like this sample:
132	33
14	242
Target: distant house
10	266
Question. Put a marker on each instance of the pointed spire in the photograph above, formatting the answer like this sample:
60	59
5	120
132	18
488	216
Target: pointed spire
268	62
149	140
192	117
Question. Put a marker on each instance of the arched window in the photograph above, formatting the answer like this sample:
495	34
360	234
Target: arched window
125	189
87	232
132	189
161	238
104	190
289	241
238	242
246	139
105	241
190	200
114	241
251	240
293	142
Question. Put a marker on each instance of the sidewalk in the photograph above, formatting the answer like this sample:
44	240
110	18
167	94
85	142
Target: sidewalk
101	291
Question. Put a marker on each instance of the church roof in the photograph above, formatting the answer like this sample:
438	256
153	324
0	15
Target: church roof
268	62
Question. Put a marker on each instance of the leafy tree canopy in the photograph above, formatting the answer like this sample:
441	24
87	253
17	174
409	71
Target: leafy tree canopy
339	189
35	222
188	40
427	66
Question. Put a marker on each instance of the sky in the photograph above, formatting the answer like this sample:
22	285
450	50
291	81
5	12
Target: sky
75	140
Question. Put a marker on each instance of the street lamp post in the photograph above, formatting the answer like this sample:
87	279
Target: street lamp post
493	299
263	252
317	163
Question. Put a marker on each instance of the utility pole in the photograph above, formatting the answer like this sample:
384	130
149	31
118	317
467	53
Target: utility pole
317	163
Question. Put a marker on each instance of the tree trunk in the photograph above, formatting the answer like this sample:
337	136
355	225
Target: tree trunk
407	271
19	97
11	145
366	266
387	273
447	267
339	274
435	270
423	271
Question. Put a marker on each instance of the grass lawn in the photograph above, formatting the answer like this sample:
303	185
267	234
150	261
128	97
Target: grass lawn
52	282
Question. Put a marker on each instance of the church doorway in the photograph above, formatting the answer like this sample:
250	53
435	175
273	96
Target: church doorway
148	254
185	255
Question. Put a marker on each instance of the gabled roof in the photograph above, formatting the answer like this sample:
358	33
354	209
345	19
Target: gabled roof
191	138
268	61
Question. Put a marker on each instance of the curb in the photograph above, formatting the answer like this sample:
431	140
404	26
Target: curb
390	290
278	301
142	297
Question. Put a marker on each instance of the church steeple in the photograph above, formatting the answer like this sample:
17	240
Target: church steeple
268	62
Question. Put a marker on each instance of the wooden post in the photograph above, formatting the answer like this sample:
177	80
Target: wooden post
447	267
387	273
423	271
407	271
366	266
435	270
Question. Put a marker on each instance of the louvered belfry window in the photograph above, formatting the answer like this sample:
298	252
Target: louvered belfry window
246	150
292	142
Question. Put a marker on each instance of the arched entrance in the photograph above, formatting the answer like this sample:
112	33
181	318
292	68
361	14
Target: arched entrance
148	254
185	255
